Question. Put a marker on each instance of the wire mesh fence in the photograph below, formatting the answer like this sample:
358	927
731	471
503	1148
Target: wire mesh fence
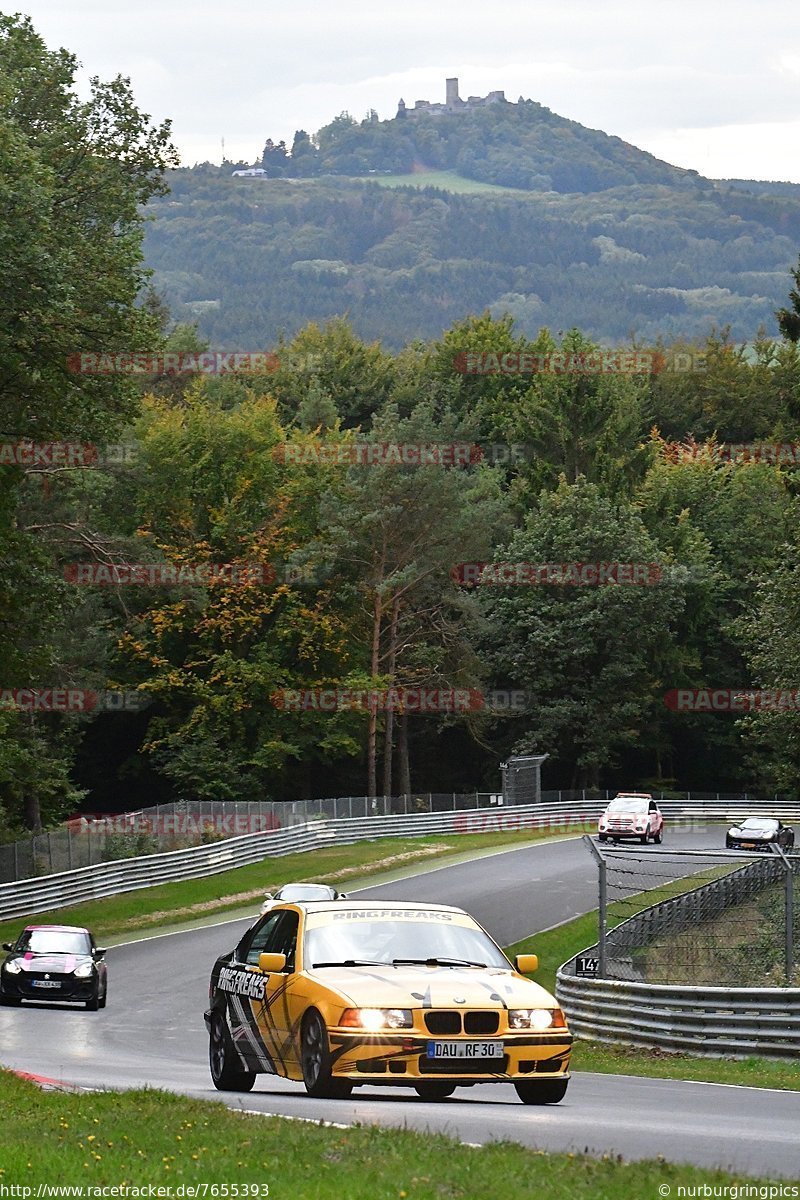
713	918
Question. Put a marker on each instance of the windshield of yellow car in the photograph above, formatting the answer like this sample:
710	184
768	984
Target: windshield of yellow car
358	938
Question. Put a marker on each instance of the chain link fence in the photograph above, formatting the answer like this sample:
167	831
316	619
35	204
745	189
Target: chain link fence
89	840
721	918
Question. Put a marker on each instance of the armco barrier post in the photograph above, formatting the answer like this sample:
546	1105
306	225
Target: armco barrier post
789	926
602	904
788	916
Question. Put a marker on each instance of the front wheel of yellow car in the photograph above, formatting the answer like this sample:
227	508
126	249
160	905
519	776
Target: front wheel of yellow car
226	1070
548	1092
315	1059
434	1089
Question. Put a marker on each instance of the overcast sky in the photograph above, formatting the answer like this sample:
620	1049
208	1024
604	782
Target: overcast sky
708	84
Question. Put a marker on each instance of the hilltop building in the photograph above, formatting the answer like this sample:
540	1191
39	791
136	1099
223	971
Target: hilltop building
452	104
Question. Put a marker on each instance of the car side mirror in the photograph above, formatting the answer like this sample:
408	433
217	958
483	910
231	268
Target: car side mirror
99	951
342	896
8	945
268	896
526	964
272	964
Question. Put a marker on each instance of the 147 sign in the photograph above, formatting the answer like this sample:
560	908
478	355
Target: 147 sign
587	966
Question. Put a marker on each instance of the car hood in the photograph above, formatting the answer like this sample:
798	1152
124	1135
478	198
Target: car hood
628	815
58	964
751	835
433	987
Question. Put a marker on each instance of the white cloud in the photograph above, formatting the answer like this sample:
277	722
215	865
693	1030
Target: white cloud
673	79
717	153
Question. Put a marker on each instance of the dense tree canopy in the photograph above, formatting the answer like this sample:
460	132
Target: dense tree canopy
334	524
73	177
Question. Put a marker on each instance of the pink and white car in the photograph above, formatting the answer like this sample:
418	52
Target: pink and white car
632	816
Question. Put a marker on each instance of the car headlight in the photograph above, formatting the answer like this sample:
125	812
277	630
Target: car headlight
375	1019
536	1018
84	970
12	967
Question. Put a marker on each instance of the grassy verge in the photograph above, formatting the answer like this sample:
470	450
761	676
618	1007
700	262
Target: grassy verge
557	945
149	1138
242	889
658	1064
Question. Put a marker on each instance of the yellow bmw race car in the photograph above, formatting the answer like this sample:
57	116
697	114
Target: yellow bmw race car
341	993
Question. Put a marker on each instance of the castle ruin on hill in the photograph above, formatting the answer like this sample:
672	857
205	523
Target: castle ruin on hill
453	102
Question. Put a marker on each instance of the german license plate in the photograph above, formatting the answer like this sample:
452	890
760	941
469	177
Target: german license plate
465	1050
51	983
748	845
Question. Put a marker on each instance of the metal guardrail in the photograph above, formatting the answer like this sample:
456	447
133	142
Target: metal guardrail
98	838
109	879
695	1020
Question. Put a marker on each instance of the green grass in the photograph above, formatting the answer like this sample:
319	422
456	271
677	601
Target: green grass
449	181
659	1064
150	1138
241	890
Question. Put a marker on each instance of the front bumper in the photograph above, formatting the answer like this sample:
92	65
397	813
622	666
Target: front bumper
624	835
397	1058
19	987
